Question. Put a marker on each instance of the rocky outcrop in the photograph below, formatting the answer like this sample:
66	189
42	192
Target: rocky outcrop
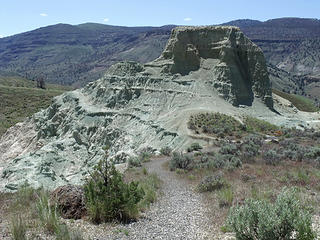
136	106
238	66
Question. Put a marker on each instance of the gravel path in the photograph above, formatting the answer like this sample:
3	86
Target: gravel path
178	214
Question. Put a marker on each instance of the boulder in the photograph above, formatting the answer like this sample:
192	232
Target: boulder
70	201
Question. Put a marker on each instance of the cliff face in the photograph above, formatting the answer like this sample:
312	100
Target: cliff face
238	66
135	106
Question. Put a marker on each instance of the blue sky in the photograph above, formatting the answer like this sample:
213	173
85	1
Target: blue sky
23	15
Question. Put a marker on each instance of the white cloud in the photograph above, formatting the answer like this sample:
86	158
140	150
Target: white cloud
106	20
187	19
43	15
1	36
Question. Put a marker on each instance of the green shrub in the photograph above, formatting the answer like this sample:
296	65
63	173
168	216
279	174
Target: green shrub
228	161
301	176
18	228
211	183
180	161
63	233
271	157
145	171
257	125
47	214
108	197
194	147
234	162
26	195
219	161
317	162
134	162
166	151
229	149
258	219
145	156
214	123
253	139
313	153
150	185
225	197
249	151
294	151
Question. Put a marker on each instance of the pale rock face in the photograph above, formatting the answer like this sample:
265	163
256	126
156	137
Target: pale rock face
238	66
135	106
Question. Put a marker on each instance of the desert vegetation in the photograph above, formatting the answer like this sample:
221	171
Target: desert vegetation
261	180
33	215
284	218
300	102
109	197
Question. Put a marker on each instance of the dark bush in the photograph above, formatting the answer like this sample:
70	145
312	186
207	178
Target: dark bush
166	151
181	161
271	157
108	197
194	147
211	183
145	154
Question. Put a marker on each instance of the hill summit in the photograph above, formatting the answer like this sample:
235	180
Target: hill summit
134	106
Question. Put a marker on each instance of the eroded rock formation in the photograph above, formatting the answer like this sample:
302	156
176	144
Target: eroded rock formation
238	66
135	106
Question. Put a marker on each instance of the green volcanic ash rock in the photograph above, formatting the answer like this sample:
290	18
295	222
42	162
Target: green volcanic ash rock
135	106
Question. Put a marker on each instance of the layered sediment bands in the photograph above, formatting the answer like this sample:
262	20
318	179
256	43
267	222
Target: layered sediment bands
240	70
135	106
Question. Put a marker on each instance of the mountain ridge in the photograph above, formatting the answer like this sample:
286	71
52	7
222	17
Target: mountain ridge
77	54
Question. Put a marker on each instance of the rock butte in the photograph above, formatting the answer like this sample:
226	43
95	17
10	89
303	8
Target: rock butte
135	106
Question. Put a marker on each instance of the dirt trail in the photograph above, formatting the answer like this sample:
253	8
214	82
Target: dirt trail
179	213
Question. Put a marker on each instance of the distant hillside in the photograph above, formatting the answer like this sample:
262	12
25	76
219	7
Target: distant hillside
19	98
292	44
75	55
67	54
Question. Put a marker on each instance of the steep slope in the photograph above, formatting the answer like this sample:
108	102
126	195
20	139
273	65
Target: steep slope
135	106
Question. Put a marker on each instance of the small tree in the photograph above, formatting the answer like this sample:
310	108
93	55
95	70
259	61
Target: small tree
108	197
40	82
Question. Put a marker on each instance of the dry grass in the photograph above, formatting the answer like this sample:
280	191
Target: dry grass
300	102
